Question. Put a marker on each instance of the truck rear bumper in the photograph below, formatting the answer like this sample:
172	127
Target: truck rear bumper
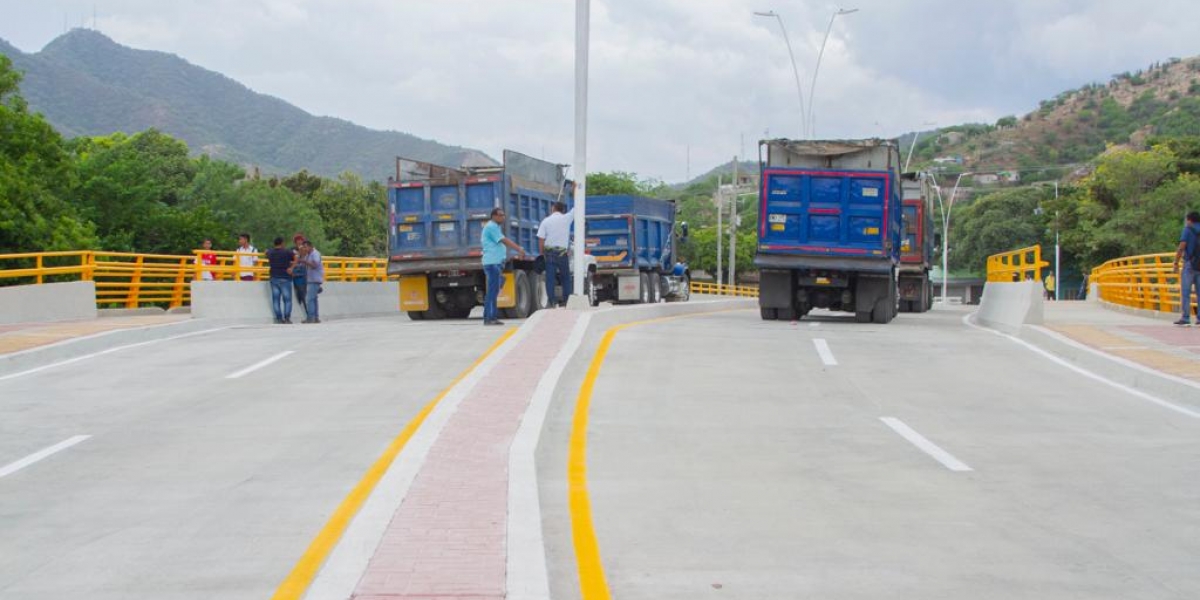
833	263
415	267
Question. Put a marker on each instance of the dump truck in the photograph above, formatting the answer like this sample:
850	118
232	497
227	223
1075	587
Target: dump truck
436	216
633	240
916	245
829	228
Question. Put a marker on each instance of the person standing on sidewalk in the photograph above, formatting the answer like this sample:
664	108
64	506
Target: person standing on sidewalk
1049	282
1189	253
495	254
314	277
299	278
554	238
280	260
247	255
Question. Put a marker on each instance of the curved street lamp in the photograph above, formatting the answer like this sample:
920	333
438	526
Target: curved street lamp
946	230
812	128
795	72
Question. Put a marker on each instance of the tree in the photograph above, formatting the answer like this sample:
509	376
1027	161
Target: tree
354	214
994	223
35	175
265	212
622	182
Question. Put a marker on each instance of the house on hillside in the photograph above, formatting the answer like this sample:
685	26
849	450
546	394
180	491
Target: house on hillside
948	160
1009	176
987	179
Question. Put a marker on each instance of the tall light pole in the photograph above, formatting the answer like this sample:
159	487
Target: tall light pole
913	147
720	212
812	127
733	226
946	233
795	72
1057	250
582	14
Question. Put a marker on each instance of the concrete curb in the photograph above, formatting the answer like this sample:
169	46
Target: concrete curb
1114	368
64	350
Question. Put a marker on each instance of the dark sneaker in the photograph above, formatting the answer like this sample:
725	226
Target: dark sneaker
1183	322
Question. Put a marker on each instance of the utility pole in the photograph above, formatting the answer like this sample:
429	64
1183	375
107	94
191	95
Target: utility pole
1057	250
733	226
720	209
582	22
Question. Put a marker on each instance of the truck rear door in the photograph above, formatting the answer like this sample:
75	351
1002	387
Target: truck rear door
410	222
806	211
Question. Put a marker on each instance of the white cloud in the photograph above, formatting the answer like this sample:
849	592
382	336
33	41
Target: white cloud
665	75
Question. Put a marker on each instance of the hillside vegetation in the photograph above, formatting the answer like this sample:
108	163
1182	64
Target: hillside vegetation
88	85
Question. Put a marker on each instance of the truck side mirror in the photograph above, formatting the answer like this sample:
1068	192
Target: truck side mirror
683	231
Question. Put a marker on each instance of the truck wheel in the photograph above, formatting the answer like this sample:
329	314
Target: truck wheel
786	314
767	314
862	316
655	288
644	284
524	304
885	306
540	296
416	315
589	284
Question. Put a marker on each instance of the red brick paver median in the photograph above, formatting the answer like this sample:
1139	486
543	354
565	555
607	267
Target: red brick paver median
447	539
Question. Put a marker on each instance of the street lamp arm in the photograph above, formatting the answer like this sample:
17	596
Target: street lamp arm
795	70
812	88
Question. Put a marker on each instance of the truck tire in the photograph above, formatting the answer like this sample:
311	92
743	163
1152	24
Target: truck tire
524	304
416	315
589	285
862	316
786	314
644	285
885	306
541	298
655	288
767	314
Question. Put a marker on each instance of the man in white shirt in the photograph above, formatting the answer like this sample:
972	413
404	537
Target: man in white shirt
554	238
247	256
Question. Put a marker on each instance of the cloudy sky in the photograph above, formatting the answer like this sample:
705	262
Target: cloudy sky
668	77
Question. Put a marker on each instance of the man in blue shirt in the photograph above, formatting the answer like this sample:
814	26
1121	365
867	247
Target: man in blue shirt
494	256
1189	253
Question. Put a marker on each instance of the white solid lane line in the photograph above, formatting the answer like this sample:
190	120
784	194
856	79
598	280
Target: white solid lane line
13	467
107	351
258	365
825	352
925	445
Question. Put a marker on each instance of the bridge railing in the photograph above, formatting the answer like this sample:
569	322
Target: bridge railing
746	291
1016	265
1147	282
130	280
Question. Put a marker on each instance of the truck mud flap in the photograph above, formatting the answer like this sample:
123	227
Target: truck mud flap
775	289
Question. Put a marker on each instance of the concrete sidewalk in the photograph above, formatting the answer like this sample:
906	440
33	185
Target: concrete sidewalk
1149	342
27	336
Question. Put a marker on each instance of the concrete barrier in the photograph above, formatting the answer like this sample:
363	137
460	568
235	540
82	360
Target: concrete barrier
1008	306
251	301
66	301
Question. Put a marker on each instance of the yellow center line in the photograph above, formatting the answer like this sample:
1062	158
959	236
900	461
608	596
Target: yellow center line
592	583
301	577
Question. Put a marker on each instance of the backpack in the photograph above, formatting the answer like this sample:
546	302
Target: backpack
1193	259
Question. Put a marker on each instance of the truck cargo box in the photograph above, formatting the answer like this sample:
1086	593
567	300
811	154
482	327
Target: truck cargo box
830	199
631	232
436	213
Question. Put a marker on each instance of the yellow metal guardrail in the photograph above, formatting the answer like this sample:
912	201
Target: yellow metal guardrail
130	280
1025	264
746	291
1147	282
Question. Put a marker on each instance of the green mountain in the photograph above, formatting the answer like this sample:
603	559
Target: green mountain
1063	133
87	84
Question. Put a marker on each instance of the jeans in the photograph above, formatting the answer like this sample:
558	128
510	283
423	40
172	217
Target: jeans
281	298
558	270
310	300
495	279
299	292
1189	279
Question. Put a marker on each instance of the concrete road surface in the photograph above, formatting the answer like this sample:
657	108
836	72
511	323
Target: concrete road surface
739	459
194	484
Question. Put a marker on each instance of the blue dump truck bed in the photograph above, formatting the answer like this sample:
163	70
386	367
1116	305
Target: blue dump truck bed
436	217
830	225
830	213
631	232
437	213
